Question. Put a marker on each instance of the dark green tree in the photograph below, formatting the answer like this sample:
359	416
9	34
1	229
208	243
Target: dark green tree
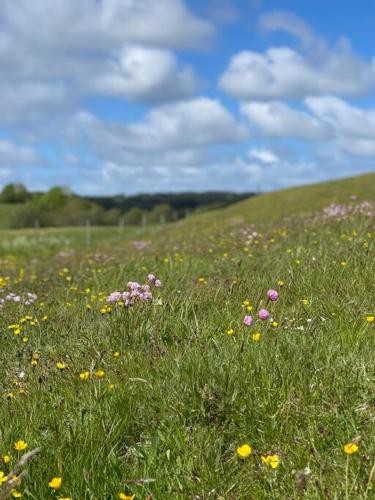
14	193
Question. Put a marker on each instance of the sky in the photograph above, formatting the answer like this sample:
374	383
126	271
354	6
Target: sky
129	96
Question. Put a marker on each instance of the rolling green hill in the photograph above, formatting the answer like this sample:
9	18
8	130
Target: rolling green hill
272	207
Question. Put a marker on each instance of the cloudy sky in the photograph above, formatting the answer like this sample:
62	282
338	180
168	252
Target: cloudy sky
128	96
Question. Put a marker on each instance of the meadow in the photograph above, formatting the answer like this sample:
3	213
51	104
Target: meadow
236	360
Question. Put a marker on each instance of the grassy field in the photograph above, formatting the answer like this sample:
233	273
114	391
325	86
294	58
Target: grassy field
157	399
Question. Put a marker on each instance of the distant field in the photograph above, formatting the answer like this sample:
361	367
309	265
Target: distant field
50	240
176	397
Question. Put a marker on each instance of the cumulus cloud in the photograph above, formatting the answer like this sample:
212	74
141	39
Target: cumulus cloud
284	73
146	74
344	117
354	127
276	119
90	25
172	148
196	122
50	56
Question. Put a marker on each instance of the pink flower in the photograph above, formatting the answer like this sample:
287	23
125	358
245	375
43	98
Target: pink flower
263	314
248	321
273	295
134	285
146	296
151	277
114	297
158	284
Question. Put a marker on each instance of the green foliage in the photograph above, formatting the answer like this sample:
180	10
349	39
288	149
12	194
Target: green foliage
14	193
178	201
160	214
56	198
59	207
133	217
28	215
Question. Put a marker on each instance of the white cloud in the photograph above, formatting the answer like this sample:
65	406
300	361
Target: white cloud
276	119
50	55
284	73
344	117
354	127
263	155
91	25
294	25
29	101
14	155
172	148
146	74
193	123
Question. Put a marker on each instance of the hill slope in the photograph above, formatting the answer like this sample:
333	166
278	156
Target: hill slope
272	207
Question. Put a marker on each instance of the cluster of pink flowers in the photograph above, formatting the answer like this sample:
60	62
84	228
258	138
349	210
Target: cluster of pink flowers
27	300
135	292
263	314
338	211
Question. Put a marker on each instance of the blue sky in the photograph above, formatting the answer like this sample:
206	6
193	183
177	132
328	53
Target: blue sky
129	96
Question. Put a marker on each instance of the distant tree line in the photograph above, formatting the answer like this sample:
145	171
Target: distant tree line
60	207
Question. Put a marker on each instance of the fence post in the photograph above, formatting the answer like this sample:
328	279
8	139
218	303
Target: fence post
121	223
88	232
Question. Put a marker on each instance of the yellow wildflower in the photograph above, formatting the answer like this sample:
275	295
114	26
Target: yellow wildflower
244	451
84	375
3	477
100	373
271	460
256	336
122	496
55	483
20	445
350	448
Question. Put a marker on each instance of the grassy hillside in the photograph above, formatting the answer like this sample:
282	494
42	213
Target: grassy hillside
158	399
273	207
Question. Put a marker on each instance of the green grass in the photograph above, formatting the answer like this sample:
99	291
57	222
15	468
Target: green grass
185	393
